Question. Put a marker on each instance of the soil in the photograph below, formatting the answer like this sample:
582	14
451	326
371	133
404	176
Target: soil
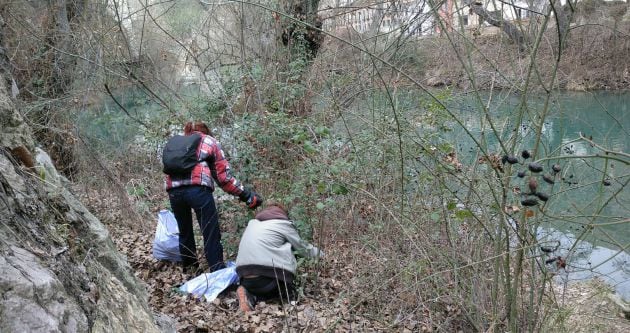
318	309
588	308
321	305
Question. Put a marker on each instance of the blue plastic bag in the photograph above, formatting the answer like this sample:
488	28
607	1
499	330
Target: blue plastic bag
210	285
166	242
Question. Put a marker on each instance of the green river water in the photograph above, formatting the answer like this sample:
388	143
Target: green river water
584	186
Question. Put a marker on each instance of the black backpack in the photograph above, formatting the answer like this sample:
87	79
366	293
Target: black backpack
180	154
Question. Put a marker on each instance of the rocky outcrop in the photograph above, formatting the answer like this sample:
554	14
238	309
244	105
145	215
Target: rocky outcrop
59	270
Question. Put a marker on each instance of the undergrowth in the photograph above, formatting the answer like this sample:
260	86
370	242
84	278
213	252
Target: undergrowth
425	197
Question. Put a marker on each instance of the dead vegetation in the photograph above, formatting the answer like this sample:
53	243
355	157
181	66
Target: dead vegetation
595	58
326	291
384	271
586	307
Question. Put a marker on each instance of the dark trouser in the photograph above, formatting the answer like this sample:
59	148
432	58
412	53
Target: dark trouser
199	199
265	288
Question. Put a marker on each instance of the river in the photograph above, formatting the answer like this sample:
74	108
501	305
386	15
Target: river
584	186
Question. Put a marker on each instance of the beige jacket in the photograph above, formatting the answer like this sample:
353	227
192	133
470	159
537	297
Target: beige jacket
267	246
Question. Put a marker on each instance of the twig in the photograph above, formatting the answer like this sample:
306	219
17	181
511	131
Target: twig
626	162
109	92
602	148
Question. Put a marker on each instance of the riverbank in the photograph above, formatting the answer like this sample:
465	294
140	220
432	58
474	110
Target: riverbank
586	307
595	58
326	303
580	307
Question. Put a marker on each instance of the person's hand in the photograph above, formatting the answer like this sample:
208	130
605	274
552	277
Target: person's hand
254	200
251	199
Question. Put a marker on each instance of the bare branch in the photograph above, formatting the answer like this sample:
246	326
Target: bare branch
510	29
109	92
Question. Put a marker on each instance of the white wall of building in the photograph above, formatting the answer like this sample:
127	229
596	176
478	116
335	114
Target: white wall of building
415	17
363	16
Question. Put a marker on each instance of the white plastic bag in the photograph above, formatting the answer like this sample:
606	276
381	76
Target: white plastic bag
166	242
210	285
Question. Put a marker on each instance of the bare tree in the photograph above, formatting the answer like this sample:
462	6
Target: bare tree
511	30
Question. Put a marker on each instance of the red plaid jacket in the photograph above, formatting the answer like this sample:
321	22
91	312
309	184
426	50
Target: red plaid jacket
212	165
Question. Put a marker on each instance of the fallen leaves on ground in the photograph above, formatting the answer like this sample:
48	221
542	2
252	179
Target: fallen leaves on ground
319	309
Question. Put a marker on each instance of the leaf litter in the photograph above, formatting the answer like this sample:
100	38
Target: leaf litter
318	308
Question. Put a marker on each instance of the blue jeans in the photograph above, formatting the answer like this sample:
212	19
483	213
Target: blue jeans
198	198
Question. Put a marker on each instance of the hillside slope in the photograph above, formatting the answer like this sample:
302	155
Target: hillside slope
595	56
59	270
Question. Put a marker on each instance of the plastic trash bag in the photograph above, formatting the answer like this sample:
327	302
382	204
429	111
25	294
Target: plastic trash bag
166	242
210	285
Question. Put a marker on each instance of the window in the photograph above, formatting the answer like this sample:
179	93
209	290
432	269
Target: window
465	20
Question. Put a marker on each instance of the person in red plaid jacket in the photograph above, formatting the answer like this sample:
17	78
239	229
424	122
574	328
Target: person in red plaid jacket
194	192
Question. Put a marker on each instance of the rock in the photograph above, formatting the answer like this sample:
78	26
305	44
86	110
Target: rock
46	169
33	297
165	323
15	132
59	269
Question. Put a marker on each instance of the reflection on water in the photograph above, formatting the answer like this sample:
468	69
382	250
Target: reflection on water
588	191
587	261
571	147
602	116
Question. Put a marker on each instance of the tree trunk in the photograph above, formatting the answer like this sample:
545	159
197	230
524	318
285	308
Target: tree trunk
60	36
513	32
563	16
307	29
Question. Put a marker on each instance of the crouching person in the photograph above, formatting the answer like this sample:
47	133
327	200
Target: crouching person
265	263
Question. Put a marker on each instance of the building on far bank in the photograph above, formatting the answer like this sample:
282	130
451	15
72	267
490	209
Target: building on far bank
417	17
404	16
